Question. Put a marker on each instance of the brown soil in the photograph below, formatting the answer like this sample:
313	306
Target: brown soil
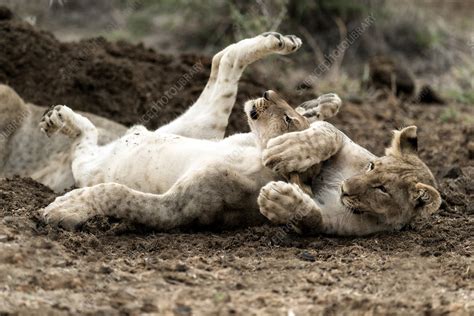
112	267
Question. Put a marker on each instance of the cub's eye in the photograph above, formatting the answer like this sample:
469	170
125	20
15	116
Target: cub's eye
370	166
288	120
382	189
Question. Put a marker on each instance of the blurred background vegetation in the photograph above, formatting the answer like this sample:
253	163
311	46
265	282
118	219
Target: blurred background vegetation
433	39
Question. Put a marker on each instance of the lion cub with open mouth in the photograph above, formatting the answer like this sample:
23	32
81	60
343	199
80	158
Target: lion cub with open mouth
271	116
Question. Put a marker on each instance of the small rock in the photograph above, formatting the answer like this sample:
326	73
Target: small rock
62	264
182	310
45	244
239	286
428	95
453	172
181	268
149	307
306	256
61	306
106	270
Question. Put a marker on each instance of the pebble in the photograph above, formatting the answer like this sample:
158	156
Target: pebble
306	256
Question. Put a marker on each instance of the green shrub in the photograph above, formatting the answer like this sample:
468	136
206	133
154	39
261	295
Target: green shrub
465	97
449	114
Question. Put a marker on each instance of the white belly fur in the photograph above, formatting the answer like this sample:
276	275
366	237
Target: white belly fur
152	162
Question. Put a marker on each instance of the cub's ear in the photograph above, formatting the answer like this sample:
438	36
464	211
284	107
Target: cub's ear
427	200
404	142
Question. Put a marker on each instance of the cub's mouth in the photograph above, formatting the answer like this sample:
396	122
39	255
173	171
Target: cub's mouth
250	108
253	113
347	203
357	211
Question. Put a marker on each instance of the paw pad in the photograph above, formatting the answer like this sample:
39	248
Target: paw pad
286	43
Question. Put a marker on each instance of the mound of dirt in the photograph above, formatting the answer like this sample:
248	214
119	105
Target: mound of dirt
112	267
116	80
385	73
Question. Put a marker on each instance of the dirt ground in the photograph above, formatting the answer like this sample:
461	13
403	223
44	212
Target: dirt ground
112	267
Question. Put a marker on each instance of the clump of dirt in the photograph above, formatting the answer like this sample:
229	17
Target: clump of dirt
112	267
389	75
5	13
385	73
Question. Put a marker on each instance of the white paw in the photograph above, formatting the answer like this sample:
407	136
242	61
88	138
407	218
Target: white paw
322	108
282	202
59	118
68	211
288	153
282	44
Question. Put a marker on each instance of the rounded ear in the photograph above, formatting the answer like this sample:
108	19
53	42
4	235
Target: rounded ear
427	200
404	142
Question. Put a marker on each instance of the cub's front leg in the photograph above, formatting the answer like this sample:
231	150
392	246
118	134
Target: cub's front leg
287	204
299	151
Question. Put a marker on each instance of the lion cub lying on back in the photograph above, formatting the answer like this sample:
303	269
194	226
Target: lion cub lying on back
168	181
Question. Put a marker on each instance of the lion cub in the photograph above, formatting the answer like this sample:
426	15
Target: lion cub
271	116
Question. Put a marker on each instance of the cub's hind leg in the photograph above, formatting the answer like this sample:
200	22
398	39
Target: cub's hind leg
208	117
200	197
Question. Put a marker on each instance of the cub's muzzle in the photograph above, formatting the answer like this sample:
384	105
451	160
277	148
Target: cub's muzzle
253	113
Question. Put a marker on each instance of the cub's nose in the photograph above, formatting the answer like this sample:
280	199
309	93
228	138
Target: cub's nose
253	113
343	190
266	95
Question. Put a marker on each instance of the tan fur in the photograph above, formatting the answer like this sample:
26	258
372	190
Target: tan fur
398	185
365	194
26	152
271	116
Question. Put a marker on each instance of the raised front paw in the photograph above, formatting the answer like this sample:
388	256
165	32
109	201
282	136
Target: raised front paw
288	153
322	108
58	118
284	203
282	44
69	211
